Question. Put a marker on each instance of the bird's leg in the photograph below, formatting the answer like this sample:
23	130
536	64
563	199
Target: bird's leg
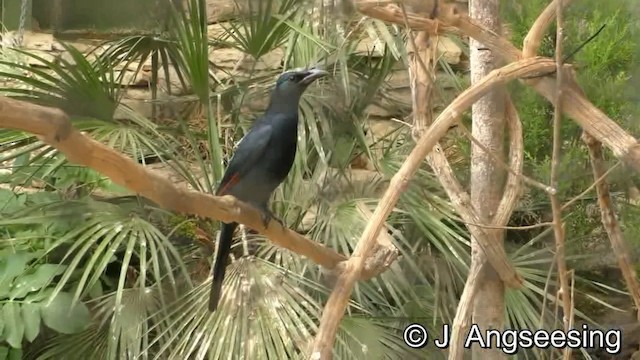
267	215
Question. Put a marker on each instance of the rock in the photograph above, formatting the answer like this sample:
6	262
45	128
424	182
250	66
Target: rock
39	41
368	45
399	78
173	81
379	129
47	56
167	171
221	10
216	31
137	100
133	79
449	50
231	62
386	110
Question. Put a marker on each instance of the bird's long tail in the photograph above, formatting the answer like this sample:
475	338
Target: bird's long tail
220	264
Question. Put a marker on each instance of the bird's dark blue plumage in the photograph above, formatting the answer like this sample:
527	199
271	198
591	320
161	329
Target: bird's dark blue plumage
262	160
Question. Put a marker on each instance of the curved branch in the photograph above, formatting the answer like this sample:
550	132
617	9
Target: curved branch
574	103
532	41
513	185
337	303
54	128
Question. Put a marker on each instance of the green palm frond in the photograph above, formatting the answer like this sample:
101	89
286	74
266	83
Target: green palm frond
120	329
78	86
265	313
262	28
99	235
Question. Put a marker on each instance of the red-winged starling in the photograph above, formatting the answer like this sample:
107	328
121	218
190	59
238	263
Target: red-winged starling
262	160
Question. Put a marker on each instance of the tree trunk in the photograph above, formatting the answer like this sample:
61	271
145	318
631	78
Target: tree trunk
487	178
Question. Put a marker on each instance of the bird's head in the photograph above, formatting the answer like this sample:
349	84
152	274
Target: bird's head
295	82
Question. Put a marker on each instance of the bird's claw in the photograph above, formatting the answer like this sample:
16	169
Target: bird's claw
267	216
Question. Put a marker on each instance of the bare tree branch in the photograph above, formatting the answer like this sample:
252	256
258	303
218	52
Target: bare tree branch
54	128
532	41
337	303
610	222
544	187
509	201
556	207
462	321
574	104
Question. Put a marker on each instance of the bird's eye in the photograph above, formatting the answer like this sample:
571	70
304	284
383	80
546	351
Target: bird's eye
292	78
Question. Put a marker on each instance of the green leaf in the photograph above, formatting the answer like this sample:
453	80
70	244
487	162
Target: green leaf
31	319
35	280
62	317
95	291
12	264
15	354
14	327
4	352
10	201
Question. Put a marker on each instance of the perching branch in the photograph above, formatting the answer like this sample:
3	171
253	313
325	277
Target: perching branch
54	128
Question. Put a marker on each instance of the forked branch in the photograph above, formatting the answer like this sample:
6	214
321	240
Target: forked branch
337	303
574	104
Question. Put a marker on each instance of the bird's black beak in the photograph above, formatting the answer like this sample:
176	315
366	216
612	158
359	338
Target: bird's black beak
313	74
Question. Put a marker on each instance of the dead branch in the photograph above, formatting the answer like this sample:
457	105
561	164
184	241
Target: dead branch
54	128
532	41
609	220
513	185
556	208
544	187
389	12
421	50
384	252
508	203
462	320
574	104
336	305
590	187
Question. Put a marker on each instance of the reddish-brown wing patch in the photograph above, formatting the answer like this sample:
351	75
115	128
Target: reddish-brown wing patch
227	186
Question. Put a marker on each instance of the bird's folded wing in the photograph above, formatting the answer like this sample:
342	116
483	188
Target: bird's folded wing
249	151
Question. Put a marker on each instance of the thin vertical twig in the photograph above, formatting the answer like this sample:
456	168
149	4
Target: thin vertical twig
556	207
